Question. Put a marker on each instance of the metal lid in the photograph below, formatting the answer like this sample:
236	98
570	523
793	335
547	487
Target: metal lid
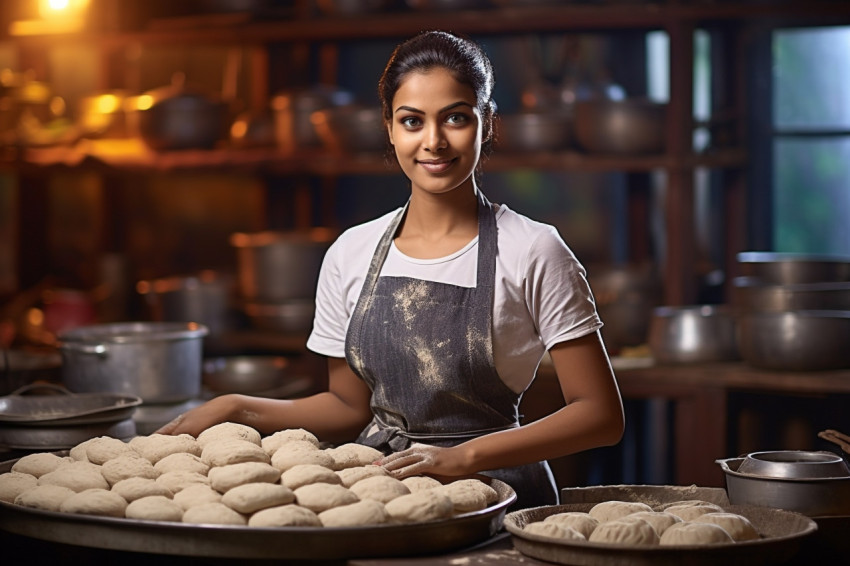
796	464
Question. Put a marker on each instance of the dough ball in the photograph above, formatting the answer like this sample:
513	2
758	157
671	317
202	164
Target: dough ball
127	466
352	455
155	447
154	508
739	527
13	484
304	474
687	533
105	448
687	503
613	510
285	516
225	478
470	494
364	512
95	501
660	520
250	497
77	475
350	476
39	464
420	507
229	431
78	452
179	480
380	488
197	494
554	530
273	442
634	533
213	513
420	483
318	497
232	451
132	489
580	521
300	452
691	512
182	461
44	497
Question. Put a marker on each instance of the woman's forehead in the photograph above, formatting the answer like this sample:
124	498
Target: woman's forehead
431	84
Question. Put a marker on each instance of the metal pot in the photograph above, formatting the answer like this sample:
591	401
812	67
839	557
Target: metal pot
693	334
754	294
157	361
791	268
800	464
178	117
814	497
276	267
534	131
203	298
628	126
806	340
351	129
262	376
293	110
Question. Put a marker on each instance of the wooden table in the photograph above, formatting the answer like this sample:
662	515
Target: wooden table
700	396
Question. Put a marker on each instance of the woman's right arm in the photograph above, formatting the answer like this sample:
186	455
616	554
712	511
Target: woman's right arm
336	415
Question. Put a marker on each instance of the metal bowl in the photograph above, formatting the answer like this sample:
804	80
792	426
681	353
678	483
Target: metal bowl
791	268
244	374
351	129
627	126
534	131
800	464
804	340
693	334
754	294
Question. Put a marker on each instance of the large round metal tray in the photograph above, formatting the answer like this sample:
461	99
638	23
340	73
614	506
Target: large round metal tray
62	407
782	535
291	543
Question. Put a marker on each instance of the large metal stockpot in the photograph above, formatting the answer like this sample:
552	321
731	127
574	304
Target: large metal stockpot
160	362
693	334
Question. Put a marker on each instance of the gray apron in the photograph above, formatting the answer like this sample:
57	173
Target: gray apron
425	349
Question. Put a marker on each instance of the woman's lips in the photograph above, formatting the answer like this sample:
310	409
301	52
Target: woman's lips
436	165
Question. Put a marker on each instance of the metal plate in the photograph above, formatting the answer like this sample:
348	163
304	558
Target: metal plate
225	541
782	533
48	438
65	408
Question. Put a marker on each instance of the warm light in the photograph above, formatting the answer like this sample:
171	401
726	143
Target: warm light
108	103
144	102
62	8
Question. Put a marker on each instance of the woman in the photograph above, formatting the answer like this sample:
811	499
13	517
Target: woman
435	317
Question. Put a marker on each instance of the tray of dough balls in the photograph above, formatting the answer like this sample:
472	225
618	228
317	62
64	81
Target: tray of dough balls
636	525
231	493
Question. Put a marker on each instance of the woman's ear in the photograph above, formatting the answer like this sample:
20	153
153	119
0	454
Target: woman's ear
390	132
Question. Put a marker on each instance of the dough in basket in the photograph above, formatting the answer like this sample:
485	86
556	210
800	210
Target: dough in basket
739	527
213	513
273	442
250	497
229	431
691	512
469	495
95	501
613	510
185	461
687	533
39	463
632	533
154	508
380	488
319	497
224	478
130	465
304	474
351	455
421	506
351	476
361	513
420	483
660	520
578	520
44	497
13	484
285	516
78	475
156	446
553	530
136	488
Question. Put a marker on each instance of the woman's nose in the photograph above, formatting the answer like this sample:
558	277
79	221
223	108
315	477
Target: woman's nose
434	138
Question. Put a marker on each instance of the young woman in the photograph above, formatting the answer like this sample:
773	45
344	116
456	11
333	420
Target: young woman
434	317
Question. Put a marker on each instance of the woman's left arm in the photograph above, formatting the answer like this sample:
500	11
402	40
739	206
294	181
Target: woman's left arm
592	417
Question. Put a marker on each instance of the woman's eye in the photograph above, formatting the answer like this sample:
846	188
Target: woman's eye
410	121
456	119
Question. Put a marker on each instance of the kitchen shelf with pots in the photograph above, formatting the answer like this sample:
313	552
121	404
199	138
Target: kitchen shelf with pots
327	164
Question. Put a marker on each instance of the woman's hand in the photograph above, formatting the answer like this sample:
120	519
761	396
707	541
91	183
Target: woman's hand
200	418
421	459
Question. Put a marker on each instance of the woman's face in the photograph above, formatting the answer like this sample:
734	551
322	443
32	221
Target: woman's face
436	131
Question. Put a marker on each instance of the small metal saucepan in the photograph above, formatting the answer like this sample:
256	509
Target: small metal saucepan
262	376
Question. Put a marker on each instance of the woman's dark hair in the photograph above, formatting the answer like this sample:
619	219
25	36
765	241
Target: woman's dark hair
461	56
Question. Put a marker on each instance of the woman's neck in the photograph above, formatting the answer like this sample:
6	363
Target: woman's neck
438	225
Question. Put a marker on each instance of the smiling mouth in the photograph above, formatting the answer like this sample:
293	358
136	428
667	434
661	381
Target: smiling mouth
436	165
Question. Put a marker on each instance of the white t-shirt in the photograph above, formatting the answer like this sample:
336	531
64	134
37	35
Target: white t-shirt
541	295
